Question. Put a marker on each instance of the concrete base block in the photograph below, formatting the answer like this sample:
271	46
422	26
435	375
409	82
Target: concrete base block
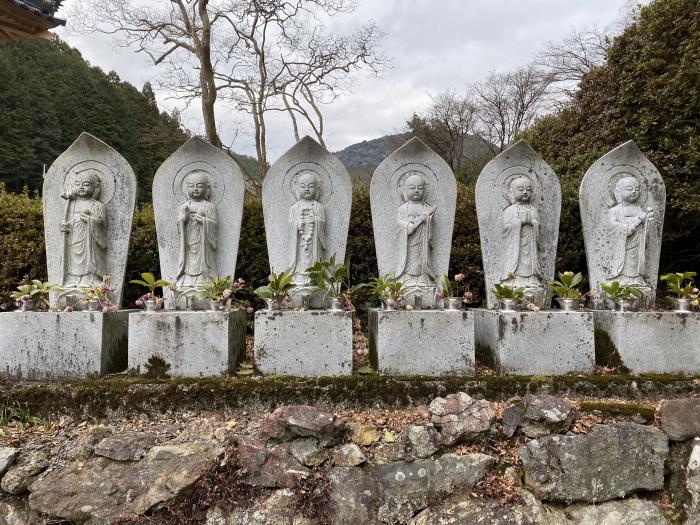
193	343
62	345
303	343
422	342
649	342
535	343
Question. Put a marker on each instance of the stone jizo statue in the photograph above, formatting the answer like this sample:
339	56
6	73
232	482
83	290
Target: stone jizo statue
627	227
84	230
306	227
414	235
197	231
521	226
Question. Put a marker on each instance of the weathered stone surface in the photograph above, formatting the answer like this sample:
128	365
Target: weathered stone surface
27	468
421	441
538	415
552	342
608	462
625	512
7	458
397	337
193	344
389	452
273	510
670	340
303	343
502	217
84	445
15	513
610	224
125	446
349	455
62	345
353	496
269	467
693	483
394	216
288	422
462	416
307	451
680	418
363	435
100	489
117	197
224	210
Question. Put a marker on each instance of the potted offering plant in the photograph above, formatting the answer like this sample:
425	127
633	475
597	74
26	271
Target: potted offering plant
331	277
682	291
566	290
277	290
508	296
389	290
219	292
150	300
454	295
626	298
34	295
96	297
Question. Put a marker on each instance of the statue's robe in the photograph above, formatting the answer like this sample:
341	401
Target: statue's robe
414	245
521	243
87	245
306	238
627	233
198	243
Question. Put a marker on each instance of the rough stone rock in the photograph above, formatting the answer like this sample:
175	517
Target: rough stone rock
421	441
349	455
458	415
273	510
292	421
307	451
15	513
269	467
101	489
624	512
7	458
538	415
393	493
389	453
680	418
126	446
18	478
693	483
84	445
364	435
608	462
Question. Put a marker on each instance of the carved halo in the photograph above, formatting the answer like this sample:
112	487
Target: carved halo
107	180
216	182
398	178
616	173
289	182
502	184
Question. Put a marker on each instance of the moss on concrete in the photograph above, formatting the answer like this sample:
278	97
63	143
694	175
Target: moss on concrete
637	410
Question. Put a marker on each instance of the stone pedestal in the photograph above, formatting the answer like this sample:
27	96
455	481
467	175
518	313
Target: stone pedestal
303	343
535	343
198	343
422	342
648	342
62	345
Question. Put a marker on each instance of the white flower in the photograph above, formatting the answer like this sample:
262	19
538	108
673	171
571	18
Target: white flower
409	307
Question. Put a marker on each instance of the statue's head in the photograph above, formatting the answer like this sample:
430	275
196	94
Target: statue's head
197	186
521	189
307	186
627	190
87	184
414	187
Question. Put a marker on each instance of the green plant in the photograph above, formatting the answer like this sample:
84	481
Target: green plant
616	292
36	292
567	287
329	276
21	416
217	289
149	281
279	286
100	292
387	288
506	291
459	288
680	284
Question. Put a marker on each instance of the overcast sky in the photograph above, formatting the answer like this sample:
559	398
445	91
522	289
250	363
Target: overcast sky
433	45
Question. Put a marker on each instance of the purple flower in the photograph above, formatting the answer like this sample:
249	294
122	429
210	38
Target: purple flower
439	295
139	302
468	297
236	285
68	309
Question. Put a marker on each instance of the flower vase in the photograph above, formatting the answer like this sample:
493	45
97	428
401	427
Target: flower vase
388	304
94	305
567	305
627	305
336	304
508	305
219	305
681	306
274	304
152	305
28	306
454	303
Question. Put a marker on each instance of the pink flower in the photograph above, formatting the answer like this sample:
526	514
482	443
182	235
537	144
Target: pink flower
236	285
459	277
173	287
226	293
68	309
241	281
468	297
439	295
409	307
139	302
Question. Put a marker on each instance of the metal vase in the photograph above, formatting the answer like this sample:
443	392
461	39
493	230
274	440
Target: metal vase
28	306
454	303
336	304
681	306
389	304
274	304
567	305
94	305
627	305
152	305
508	305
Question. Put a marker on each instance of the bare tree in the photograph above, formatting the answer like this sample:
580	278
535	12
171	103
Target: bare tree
507	103
260	55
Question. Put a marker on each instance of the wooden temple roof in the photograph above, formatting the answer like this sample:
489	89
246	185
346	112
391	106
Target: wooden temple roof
25	19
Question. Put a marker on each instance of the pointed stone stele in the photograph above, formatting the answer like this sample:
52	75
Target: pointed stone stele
89	197
83	251
511	242
307	195
623	233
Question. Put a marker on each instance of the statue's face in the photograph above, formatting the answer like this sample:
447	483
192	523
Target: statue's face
521	190
197	186
415	188
85	185
627	189
307	186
